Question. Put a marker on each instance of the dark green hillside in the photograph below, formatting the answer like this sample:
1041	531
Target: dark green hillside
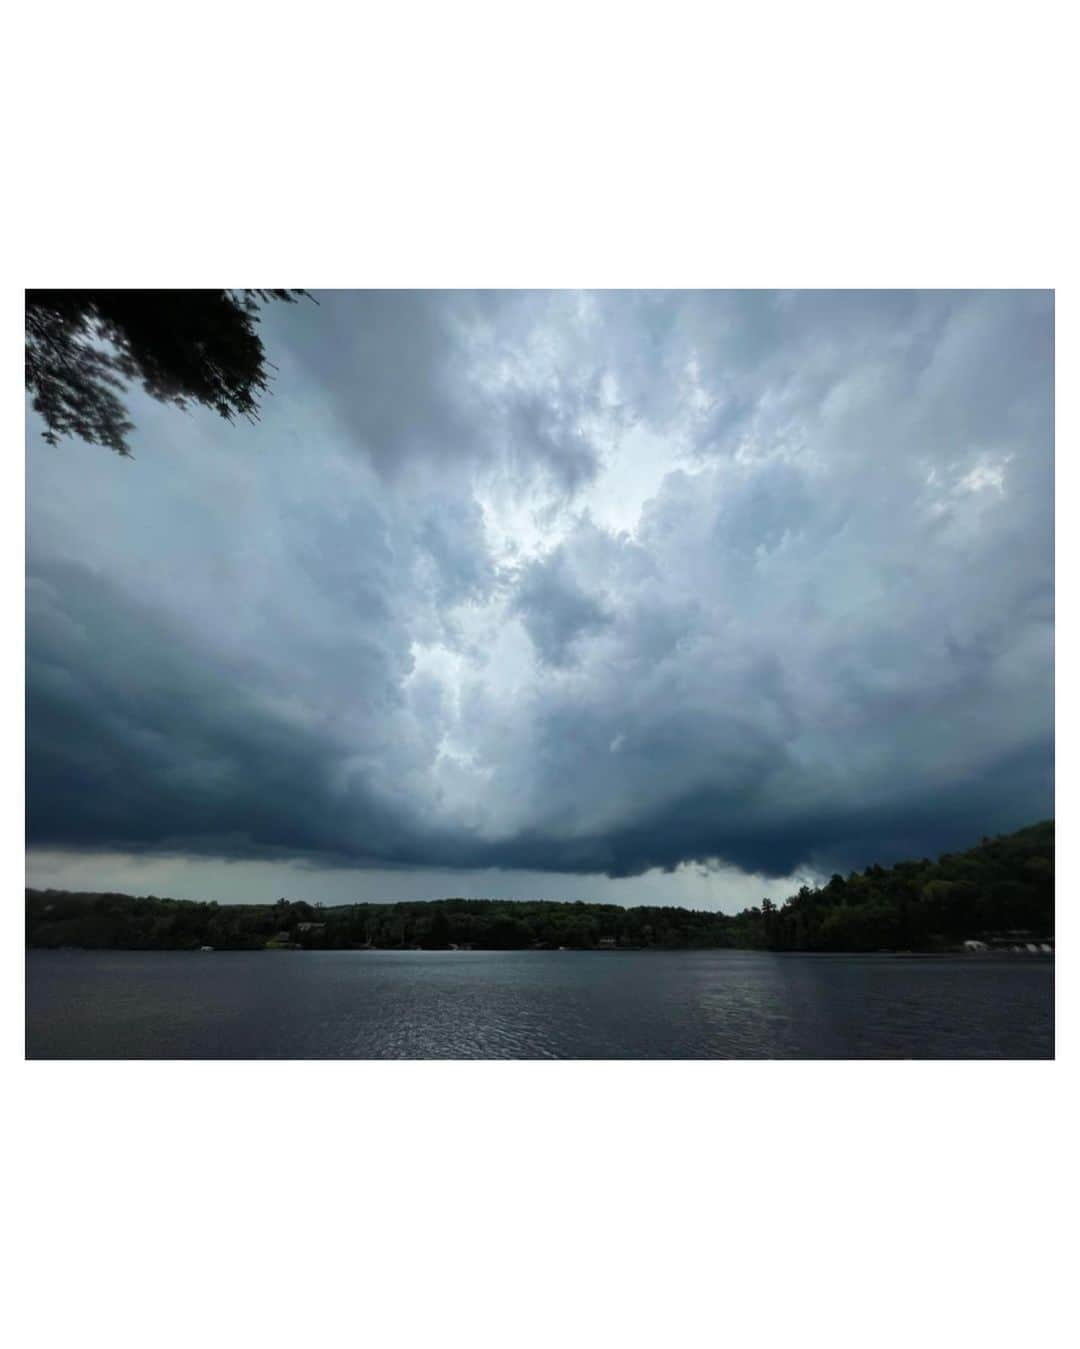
1004	884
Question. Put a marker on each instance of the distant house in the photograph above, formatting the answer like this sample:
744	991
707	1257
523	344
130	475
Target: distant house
310	927
1019	940
606	944
1015	941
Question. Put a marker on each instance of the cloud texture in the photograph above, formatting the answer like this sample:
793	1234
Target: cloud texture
563	582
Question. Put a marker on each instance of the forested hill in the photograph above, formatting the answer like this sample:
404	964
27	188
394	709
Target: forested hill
1004	885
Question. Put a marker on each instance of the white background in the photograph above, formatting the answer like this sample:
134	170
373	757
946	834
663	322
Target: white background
538	1204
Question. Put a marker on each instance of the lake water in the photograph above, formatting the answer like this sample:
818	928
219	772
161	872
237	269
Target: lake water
535	1005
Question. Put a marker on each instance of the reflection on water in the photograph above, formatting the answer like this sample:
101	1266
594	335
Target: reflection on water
543	1004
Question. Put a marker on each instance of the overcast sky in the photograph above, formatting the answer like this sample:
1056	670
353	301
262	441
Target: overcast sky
641	597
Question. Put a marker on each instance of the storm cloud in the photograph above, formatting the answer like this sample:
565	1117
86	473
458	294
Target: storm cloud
567	583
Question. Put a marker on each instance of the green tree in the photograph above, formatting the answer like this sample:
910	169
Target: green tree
438	935
182	346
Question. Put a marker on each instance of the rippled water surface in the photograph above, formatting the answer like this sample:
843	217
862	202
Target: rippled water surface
534	1004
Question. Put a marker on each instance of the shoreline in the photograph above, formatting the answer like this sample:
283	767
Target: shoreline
973	956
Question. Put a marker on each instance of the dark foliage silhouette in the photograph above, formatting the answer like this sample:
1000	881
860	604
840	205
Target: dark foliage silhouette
182	346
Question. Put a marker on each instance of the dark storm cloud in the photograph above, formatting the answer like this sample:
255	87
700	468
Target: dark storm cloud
422	377
555	609
137	738
565	583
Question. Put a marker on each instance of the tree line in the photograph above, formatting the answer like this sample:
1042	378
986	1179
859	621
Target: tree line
1003	884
